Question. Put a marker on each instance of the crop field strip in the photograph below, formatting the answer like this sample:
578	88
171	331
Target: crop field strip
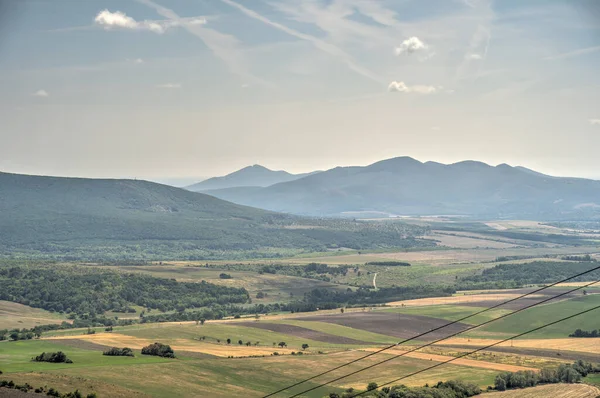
453	359
435	329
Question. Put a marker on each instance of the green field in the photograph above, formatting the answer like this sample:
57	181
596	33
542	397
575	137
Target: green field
542	314
210	377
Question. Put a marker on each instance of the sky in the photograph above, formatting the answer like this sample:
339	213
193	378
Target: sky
177	90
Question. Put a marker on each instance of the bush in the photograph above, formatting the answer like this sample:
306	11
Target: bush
54	357
159	349
119	352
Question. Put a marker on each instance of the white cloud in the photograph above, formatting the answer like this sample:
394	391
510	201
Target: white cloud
410	46
41	93
169	85
118	19
474	57
138	61
595	122
417	89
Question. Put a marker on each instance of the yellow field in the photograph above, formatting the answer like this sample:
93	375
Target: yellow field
550	390
461	361
221	350
468	298
591	345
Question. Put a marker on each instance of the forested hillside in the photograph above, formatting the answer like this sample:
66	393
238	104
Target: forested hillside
75	218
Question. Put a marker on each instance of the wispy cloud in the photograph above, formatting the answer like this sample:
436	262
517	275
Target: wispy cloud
595	122
41	93
473	57
225	47
417	89
169	85
320	44
120	20
574	53
411	45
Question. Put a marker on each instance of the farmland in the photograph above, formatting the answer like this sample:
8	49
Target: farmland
253	353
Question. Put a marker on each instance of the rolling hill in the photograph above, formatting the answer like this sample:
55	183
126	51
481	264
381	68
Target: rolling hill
405	186
73	218
251	176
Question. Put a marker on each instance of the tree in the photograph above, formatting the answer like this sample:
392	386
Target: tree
228	341
500	383
202	320
342	310
248	344
304	346
372	386
282	344
240	342
14	335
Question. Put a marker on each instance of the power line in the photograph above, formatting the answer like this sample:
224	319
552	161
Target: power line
444	338
429	331
483	348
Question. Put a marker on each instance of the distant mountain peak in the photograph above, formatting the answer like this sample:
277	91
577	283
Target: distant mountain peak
254	175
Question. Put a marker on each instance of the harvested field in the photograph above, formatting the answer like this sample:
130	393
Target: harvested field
472	299
79	343
14	315
178	345
304	332
537	352
550	390
392	324
461	361
590	345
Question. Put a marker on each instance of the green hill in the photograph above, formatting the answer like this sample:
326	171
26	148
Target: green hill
73	218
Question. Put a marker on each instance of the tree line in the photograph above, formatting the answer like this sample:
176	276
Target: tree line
88	291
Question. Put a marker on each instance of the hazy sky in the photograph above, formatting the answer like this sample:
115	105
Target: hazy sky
187	88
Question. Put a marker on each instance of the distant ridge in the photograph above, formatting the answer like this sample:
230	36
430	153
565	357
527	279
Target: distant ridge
251	176
406	186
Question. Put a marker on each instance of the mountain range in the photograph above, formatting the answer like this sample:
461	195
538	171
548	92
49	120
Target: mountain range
251	176
405	186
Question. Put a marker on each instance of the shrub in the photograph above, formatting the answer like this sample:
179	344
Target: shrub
159	349
119	352
54	357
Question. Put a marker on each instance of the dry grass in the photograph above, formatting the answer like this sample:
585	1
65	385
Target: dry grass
591	345
470	298
64	384
473	363
14	315
550	390
220	350
468	242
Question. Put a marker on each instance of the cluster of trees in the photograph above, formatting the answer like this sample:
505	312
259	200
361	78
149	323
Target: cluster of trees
312	270
18	334
51	392
585	333
586	257
325	298
563	374
537	272
54	357
389	263
119	352
443	389
159	349
92	291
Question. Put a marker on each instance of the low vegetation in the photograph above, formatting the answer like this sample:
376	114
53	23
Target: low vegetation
389	263
53	357
563	374
159	350
51	392
585	333
443	389
118	352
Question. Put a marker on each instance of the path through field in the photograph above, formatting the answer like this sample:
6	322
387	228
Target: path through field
375	281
